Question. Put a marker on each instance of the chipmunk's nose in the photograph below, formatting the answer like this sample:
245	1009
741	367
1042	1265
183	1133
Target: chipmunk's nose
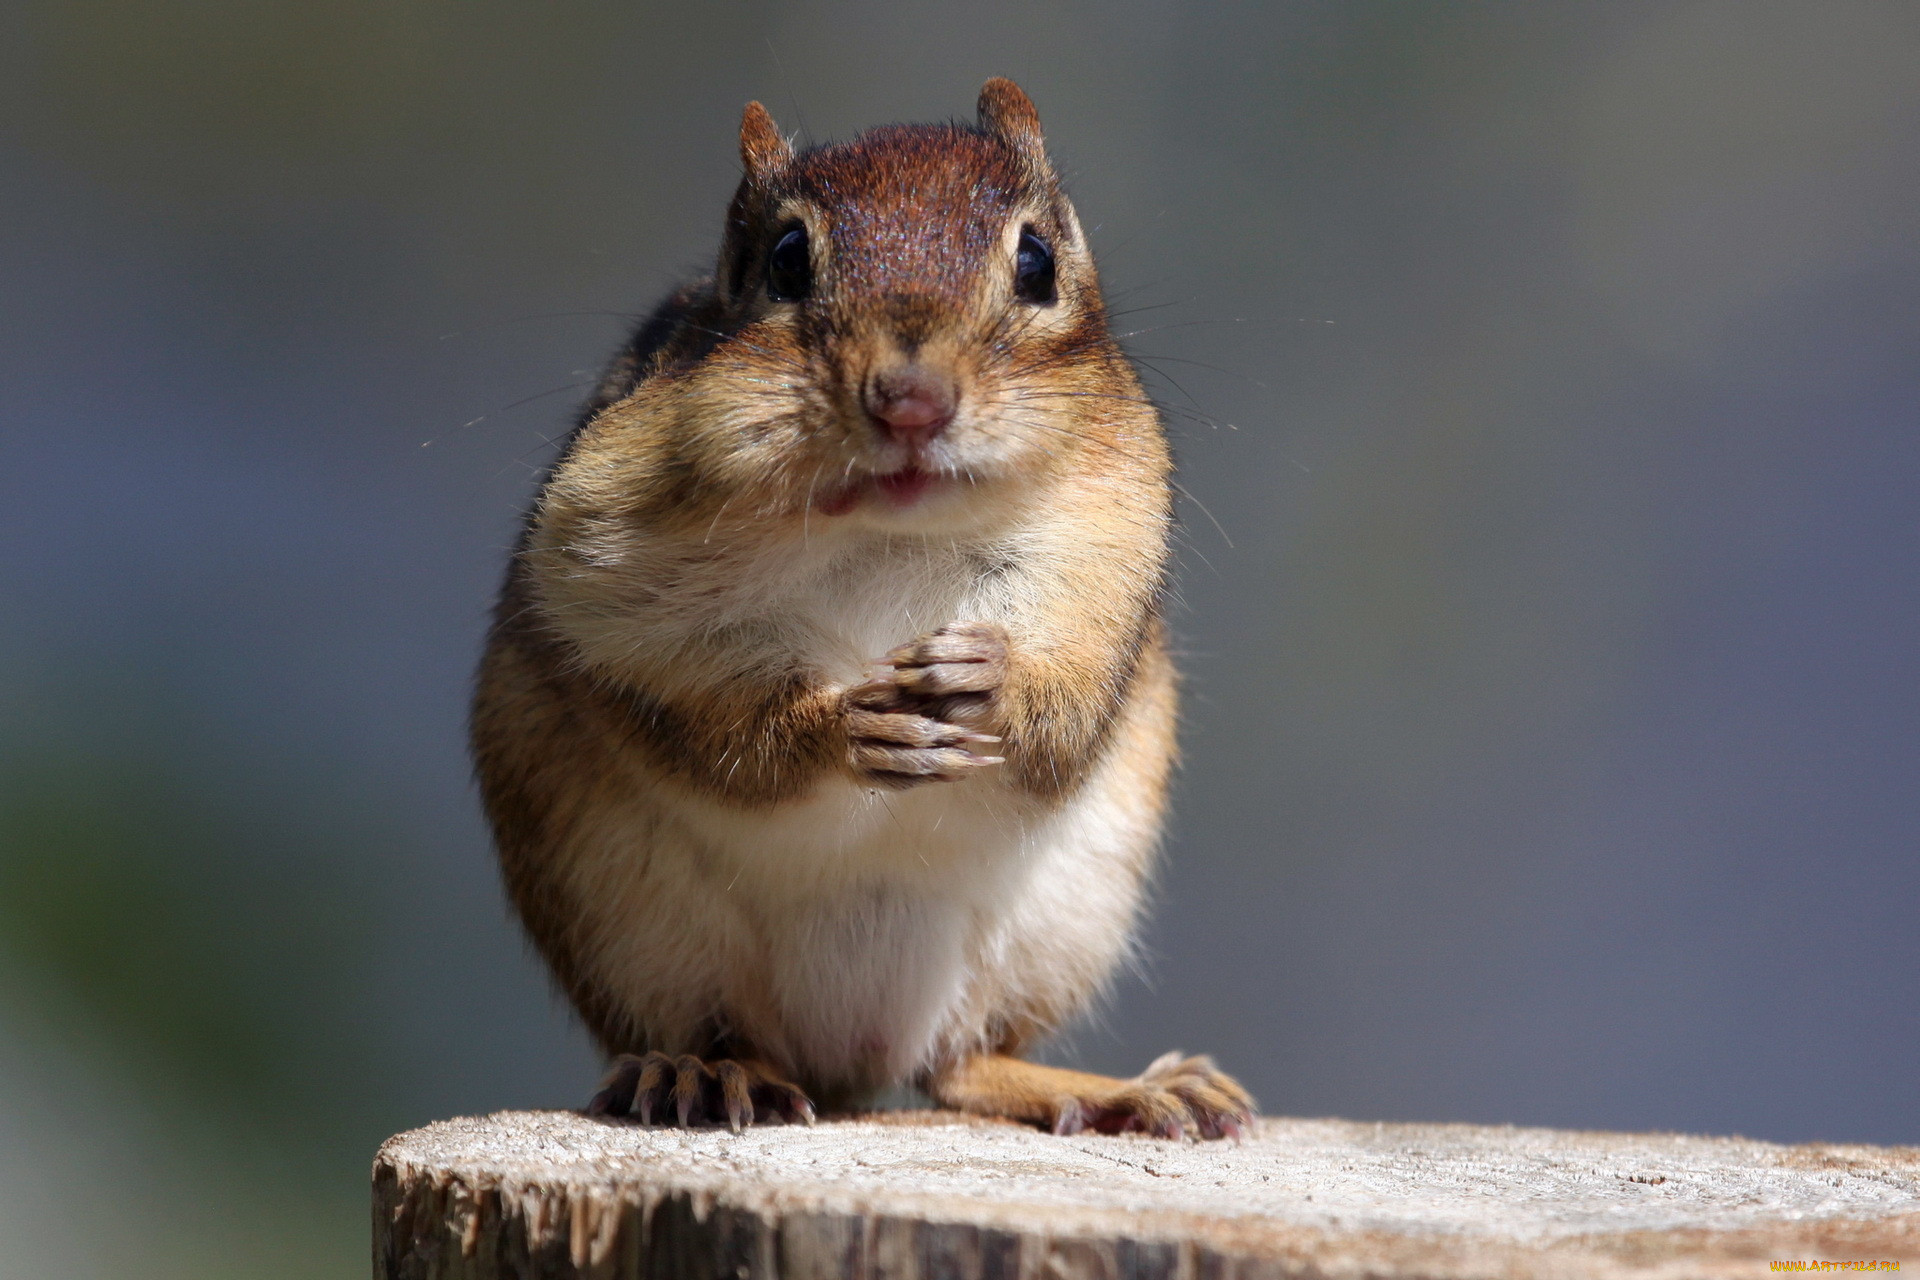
911	403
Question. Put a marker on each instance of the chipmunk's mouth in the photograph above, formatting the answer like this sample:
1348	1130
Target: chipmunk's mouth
897	489
904	487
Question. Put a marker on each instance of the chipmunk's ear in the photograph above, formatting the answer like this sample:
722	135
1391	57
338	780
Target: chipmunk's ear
762	150
1008	113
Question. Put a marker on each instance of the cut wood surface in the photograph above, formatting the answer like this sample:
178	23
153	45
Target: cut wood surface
934	1194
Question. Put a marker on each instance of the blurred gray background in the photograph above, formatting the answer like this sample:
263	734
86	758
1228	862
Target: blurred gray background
1544	379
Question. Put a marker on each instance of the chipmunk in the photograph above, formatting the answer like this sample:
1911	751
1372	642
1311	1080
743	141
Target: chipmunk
826	720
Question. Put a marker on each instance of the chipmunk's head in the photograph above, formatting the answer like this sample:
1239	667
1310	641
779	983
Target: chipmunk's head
916	317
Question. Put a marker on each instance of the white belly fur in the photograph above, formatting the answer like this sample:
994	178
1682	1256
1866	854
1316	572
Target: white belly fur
855	935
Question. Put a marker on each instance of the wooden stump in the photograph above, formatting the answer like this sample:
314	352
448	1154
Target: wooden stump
931	1194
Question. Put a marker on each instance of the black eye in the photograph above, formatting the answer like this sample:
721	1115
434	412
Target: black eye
1033	269
789	267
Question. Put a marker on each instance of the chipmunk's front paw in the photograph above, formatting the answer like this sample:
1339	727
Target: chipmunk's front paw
965	662
928	706
1176	1097
899	748
688	1091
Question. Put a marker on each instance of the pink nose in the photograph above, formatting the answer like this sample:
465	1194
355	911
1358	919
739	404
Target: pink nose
911	404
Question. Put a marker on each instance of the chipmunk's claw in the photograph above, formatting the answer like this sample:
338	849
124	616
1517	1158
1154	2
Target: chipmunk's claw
736	1093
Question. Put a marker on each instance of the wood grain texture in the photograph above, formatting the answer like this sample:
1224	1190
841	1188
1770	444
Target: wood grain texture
938	1195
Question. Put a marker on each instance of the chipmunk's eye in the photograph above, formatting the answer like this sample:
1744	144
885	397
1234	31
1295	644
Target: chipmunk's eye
1033	269
789	267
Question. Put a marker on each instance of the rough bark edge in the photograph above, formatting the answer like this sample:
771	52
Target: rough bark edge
440	1227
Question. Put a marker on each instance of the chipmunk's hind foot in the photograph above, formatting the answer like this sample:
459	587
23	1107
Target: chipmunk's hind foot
655	1088
1177	1097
